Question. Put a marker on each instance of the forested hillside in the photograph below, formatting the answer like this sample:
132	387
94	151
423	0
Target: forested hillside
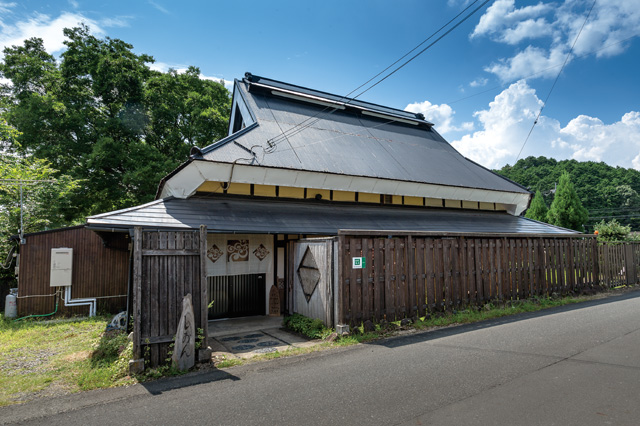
606	192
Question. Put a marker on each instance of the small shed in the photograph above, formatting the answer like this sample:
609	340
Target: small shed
100	271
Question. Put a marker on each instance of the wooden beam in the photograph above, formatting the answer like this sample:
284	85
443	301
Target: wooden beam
397	233
137	290
203	285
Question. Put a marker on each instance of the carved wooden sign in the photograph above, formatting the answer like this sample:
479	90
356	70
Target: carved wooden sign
183	357
274	301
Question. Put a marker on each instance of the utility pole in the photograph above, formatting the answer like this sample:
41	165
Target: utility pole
21	183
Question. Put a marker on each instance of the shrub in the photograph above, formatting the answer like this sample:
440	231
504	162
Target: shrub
612	231
312	328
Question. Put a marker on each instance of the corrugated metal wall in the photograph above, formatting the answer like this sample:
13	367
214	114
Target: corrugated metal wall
98	271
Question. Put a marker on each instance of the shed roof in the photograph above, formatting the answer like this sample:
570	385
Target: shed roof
310	217
346	141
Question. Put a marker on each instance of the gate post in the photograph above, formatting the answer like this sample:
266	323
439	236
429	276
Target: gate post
630	266
136	365
204	320
341	325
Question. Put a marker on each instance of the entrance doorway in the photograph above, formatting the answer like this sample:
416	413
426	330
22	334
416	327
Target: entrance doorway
236	296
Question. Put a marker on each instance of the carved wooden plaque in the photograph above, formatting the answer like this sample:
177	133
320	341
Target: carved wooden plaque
274	301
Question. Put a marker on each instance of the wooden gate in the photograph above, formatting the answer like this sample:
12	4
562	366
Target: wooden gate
167	265
311	274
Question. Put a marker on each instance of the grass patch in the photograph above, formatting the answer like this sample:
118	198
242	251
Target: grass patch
490	311
229	363
54	357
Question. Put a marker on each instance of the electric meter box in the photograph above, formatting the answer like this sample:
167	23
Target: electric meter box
61	265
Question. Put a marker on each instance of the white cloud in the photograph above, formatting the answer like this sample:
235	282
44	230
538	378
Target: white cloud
5	8
119	22
508	120
502	15
159	7
532	61
531	28
440	115
479	82
592	140
47	28
610	24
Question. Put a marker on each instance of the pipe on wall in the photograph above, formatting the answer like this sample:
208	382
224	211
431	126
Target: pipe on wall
68	301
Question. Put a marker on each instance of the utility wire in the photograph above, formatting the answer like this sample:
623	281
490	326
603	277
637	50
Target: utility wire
556	80
301	126
537	73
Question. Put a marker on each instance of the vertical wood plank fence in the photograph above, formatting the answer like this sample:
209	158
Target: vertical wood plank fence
167	265
619	263
409	275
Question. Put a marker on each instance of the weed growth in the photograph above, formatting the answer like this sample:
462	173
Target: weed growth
312	328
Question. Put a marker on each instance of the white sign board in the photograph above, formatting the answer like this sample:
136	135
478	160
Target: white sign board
358	262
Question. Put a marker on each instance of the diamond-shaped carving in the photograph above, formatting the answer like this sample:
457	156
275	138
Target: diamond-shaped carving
214	253
261	252
308	274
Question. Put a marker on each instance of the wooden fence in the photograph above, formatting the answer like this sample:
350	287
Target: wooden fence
619	263
412	274
166	267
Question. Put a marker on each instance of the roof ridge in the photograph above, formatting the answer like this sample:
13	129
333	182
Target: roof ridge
250	78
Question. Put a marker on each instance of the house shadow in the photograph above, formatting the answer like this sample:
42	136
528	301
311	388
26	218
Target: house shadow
428	335
159	386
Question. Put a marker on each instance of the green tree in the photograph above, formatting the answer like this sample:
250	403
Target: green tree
538	209
567	210
185	111
105	119
45	201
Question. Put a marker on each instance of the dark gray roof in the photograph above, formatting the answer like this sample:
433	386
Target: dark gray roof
243	215
347	142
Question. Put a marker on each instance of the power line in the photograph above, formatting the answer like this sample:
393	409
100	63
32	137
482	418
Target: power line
606	46
300	127
556	80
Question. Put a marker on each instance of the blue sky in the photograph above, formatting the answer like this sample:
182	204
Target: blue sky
482	85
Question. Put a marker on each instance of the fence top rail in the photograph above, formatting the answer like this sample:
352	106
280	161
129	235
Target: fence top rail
396	233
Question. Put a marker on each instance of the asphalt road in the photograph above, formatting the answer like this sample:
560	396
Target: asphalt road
577	365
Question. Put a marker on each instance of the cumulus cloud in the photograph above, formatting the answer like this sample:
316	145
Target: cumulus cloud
532	61
440	115
610	24
502	16
506	123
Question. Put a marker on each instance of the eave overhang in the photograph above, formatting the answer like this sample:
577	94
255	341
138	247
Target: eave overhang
186	181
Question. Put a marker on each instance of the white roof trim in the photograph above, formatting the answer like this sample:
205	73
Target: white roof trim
185	183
